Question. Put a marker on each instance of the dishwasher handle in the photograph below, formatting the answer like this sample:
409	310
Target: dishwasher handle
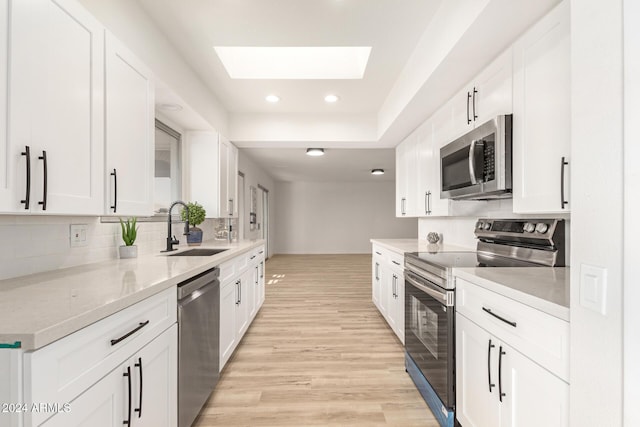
197	282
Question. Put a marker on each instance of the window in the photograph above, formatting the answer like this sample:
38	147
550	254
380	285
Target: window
167	183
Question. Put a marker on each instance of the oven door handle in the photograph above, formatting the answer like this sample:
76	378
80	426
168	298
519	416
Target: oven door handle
434	293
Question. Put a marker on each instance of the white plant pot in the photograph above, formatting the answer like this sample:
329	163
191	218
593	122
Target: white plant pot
128	251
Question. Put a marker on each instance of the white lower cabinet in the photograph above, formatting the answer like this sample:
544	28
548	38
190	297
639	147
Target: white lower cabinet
388	287
140	392
502	378
241	296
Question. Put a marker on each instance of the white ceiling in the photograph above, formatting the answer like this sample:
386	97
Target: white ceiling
353	165
391	27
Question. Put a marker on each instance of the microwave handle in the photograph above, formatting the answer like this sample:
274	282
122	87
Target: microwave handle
472	161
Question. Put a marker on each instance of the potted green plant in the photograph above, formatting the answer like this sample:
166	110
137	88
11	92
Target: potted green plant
196	217
129	234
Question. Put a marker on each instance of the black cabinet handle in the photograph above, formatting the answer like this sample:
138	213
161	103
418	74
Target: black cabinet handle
253	257
128	334
563	163
138	365
489	365
508	322
261	252
128	375
473	103
240	291
44	192
27	153
468	99
379	253
261	269
395	262
426	203
114	174
500	393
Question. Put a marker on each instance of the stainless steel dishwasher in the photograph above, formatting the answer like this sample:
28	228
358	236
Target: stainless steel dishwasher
198	343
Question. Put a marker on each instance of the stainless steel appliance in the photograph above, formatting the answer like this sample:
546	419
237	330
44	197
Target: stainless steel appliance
430	297
477	166
198	343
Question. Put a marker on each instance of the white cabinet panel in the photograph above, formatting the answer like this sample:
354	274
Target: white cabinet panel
542	115
8	191
228	340
406	177
388	288
129	97
56	107
429	202
213	173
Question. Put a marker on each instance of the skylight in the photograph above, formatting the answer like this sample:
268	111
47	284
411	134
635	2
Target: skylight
342	62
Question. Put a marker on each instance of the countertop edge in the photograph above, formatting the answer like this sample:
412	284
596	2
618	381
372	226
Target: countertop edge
31	341
548	307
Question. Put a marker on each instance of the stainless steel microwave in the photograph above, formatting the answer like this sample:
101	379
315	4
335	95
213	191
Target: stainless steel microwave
477	166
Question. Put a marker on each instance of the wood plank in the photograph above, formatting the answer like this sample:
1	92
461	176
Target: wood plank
318	353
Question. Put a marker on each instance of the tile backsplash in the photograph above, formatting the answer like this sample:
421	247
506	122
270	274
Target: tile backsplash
32	244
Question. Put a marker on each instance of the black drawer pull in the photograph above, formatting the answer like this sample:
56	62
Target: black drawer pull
488	310
27	154
127	374
395	262
128	334
138	365
43	203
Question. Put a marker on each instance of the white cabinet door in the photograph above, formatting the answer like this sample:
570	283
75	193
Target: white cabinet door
494	89
428	155
228	302
254	293
476	375
406	177
232	180
376	280
261	284
398	312
8	191
243	308
542	115
224	202
56	108
102	405
532	395
385	289
203	171
129	98
486	96
155	382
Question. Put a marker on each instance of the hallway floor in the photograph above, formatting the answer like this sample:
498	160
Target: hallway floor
318	353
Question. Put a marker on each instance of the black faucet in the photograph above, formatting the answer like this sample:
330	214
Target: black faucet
172	240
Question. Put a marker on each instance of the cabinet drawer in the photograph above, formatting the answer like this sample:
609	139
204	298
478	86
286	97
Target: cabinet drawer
539	336
64	369
379	252
396	261
227	270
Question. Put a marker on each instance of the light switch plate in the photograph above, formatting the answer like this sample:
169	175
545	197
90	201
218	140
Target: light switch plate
593	288
78	235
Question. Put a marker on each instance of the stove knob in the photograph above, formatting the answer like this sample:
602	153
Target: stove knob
529	227
541	227
480	225
487	225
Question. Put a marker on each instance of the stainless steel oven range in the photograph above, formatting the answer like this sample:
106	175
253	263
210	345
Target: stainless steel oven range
430	297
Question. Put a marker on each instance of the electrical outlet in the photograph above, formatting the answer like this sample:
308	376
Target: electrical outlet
78	235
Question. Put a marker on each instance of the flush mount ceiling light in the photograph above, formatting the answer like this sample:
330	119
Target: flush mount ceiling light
319	62
272	98
331	98
170	107
377	171
315	152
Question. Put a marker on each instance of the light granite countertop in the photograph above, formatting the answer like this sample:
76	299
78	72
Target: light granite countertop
38	309
546	289
417	245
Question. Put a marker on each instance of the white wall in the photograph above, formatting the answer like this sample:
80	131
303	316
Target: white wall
336	217
631	209
41	243
596	165
128	21
254	176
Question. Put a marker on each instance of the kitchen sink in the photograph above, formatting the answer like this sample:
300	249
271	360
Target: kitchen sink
199	252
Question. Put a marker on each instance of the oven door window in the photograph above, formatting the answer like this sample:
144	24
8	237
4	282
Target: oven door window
429	339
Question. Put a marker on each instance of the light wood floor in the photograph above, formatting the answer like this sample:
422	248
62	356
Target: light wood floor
318	353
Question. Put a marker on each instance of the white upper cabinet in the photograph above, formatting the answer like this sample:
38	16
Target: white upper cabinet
428	154
542	115
129	98
228	160
7	190
487	96
55	99
213	173
406	177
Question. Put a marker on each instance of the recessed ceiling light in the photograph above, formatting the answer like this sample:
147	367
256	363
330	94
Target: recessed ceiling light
377	171
299	62
315	152
272	98
170	107
331	98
